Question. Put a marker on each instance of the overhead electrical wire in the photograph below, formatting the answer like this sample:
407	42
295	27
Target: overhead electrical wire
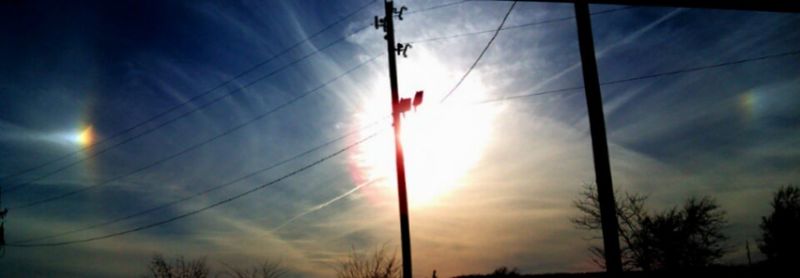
203	192
325	204
724	64
436	7
546	21
54	198
193	212
649	76
242	74
489	44
201	143
204	93
45	200
183	115
187	150
564	90
21	244
187	113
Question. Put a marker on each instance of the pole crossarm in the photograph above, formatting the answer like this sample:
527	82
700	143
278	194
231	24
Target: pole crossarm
785	6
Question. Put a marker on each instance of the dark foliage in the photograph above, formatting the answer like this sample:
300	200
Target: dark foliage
630	214
498	272
679	238
160	268
780	240
730	271
505	272
378	264
266	270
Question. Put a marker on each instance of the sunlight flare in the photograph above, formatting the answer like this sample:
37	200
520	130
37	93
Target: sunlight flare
442	142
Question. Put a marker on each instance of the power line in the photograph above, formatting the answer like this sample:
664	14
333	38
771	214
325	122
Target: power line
563	90
193	212
479	102
724	64
185	114
656	75
540	93
200	144
489	44
648	76
204	192
196	97
546	21
325	204
67	194
435	7
22	244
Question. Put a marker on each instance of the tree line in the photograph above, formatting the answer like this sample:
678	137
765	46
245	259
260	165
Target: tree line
379	263
685	237
689	236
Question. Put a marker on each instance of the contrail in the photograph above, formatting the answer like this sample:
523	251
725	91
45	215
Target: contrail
325	204
602	52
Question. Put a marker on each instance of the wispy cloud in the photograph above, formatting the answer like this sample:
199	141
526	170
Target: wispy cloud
728	132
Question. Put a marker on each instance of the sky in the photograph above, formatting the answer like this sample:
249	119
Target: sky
134	109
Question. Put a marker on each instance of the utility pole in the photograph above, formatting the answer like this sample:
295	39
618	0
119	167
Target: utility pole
3	213
747	245
597	127
594	101
398	107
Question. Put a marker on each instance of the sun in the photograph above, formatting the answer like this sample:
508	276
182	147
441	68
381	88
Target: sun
442	142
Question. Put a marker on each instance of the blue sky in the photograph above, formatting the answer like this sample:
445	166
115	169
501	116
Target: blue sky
491	184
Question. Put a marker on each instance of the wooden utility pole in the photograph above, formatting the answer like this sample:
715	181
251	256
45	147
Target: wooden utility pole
597	127
3	212
594	100
388	25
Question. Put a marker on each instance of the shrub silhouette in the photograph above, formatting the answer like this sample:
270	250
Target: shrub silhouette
265	270
498	272
378	264
630	214
505	272
160	268
679	238
780	240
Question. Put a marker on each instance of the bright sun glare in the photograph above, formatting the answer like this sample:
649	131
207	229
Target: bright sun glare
442	142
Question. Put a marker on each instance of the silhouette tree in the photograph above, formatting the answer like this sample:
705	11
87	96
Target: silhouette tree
505	272
160	268
378	264
678	239
630	214
780	239
688	237
266	270
498	272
